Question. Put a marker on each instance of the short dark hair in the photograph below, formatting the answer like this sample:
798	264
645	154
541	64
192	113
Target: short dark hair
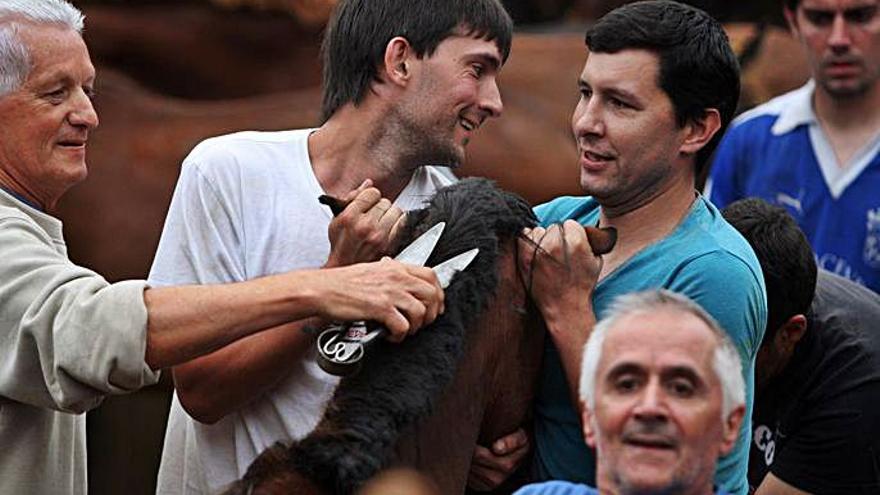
785	256
791	4
356	37
698	69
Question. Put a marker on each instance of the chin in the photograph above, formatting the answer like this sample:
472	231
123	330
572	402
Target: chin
644	483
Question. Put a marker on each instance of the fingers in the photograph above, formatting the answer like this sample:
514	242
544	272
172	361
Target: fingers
511	443
362	231
349	196
491	467
386	216
480	477
396	229
414	298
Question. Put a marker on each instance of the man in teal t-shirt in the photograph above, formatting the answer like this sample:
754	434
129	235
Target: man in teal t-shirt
659	86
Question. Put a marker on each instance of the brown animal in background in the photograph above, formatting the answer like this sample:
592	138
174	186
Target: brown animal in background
202	53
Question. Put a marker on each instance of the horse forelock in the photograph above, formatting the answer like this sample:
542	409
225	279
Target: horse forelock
399	383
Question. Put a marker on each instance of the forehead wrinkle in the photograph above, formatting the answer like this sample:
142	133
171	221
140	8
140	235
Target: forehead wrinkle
843	5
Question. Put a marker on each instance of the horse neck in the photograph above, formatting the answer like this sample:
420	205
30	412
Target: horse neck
491	392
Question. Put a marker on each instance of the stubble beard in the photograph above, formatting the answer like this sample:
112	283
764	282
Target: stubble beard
427	143
849	90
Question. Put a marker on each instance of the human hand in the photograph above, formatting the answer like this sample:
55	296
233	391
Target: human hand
366	229
561	268
492	466
401	297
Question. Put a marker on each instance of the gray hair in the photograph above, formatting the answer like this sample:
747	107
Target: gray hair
726	361
15	60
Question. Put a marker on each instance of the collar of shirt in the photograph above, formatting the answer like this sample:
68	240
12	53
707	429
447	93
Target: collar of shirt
798	112
22	199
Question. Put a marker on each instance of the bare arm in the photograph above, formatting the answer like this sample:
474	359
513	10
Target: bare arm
564	272
389	292
771	485
212	386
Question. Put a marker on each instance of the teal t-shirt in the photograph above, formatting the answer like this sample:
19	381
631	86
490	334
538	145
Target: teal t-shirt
705	259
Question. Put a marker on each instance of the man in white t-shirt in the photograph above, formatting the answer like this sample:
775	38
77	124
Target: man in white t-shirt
401	92
68	337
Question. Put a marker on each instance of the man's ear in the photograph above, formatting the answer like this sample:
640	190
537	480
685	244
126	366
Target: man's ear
790	333
699	131
730	429
791	20
398	54
587	426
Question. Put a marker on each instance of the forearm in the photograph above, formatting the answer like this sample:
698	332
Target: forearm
570	331
224	381
191	321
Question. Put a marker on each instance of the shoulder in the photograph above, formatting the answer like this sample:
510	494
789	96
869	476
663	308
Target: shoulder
712	240
556	488
243	150
754	130
14	223
769	110
580	208
247	140
248	157
845	314
8	213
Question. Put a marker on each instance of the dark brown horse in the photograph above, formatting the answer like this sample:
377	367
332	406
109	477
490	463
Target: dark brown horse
467	378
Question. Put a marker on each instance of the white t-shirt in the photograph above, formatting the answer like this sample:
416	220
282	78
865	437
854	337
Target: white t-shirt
246	206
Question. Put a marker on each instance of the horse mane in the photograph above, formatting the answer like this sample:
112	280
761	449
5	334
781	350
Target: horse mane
399	383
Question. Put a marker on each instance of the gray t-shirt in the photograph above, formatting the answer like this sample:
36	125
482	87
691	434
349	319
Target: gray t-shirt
67	338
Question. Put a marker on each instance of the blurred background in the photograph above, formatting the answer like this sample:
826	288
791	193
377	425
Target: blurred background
173	72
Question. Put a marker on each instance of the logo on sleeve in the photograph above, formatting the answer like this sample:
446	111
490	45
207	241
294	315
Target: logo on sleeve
872	239
763	438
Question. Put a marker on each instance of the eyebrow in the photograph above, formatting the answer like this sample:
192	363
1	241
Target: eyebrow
491	60
613	91
682	372
62	77
624	368
850	11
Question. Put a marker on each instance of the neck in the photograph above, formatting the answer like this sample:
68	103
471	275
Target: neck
647	221
350	148
611	484
847	113
22	193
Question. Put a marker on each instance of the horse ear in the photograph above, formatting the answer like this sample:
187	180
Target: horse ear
587	425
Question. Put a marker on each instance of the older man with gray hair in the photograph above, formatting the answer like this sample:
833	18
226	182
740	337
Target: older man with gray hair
67	336
662	396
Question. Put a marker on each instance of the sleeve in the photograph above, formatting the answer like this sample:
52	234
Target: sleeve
67	336
555	488
727	288
836	447
203	240
723	187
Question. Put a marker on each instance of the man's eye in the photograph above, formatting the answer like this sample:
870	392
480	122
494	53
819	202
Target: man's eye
478	70
626	384
586	92
90	92
617	103
860	15
681	388
56	96
819	18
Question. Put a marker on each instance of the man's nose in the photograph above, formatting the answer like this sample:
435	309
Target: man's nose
587	119
83	113
839	40
651	405
490	99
